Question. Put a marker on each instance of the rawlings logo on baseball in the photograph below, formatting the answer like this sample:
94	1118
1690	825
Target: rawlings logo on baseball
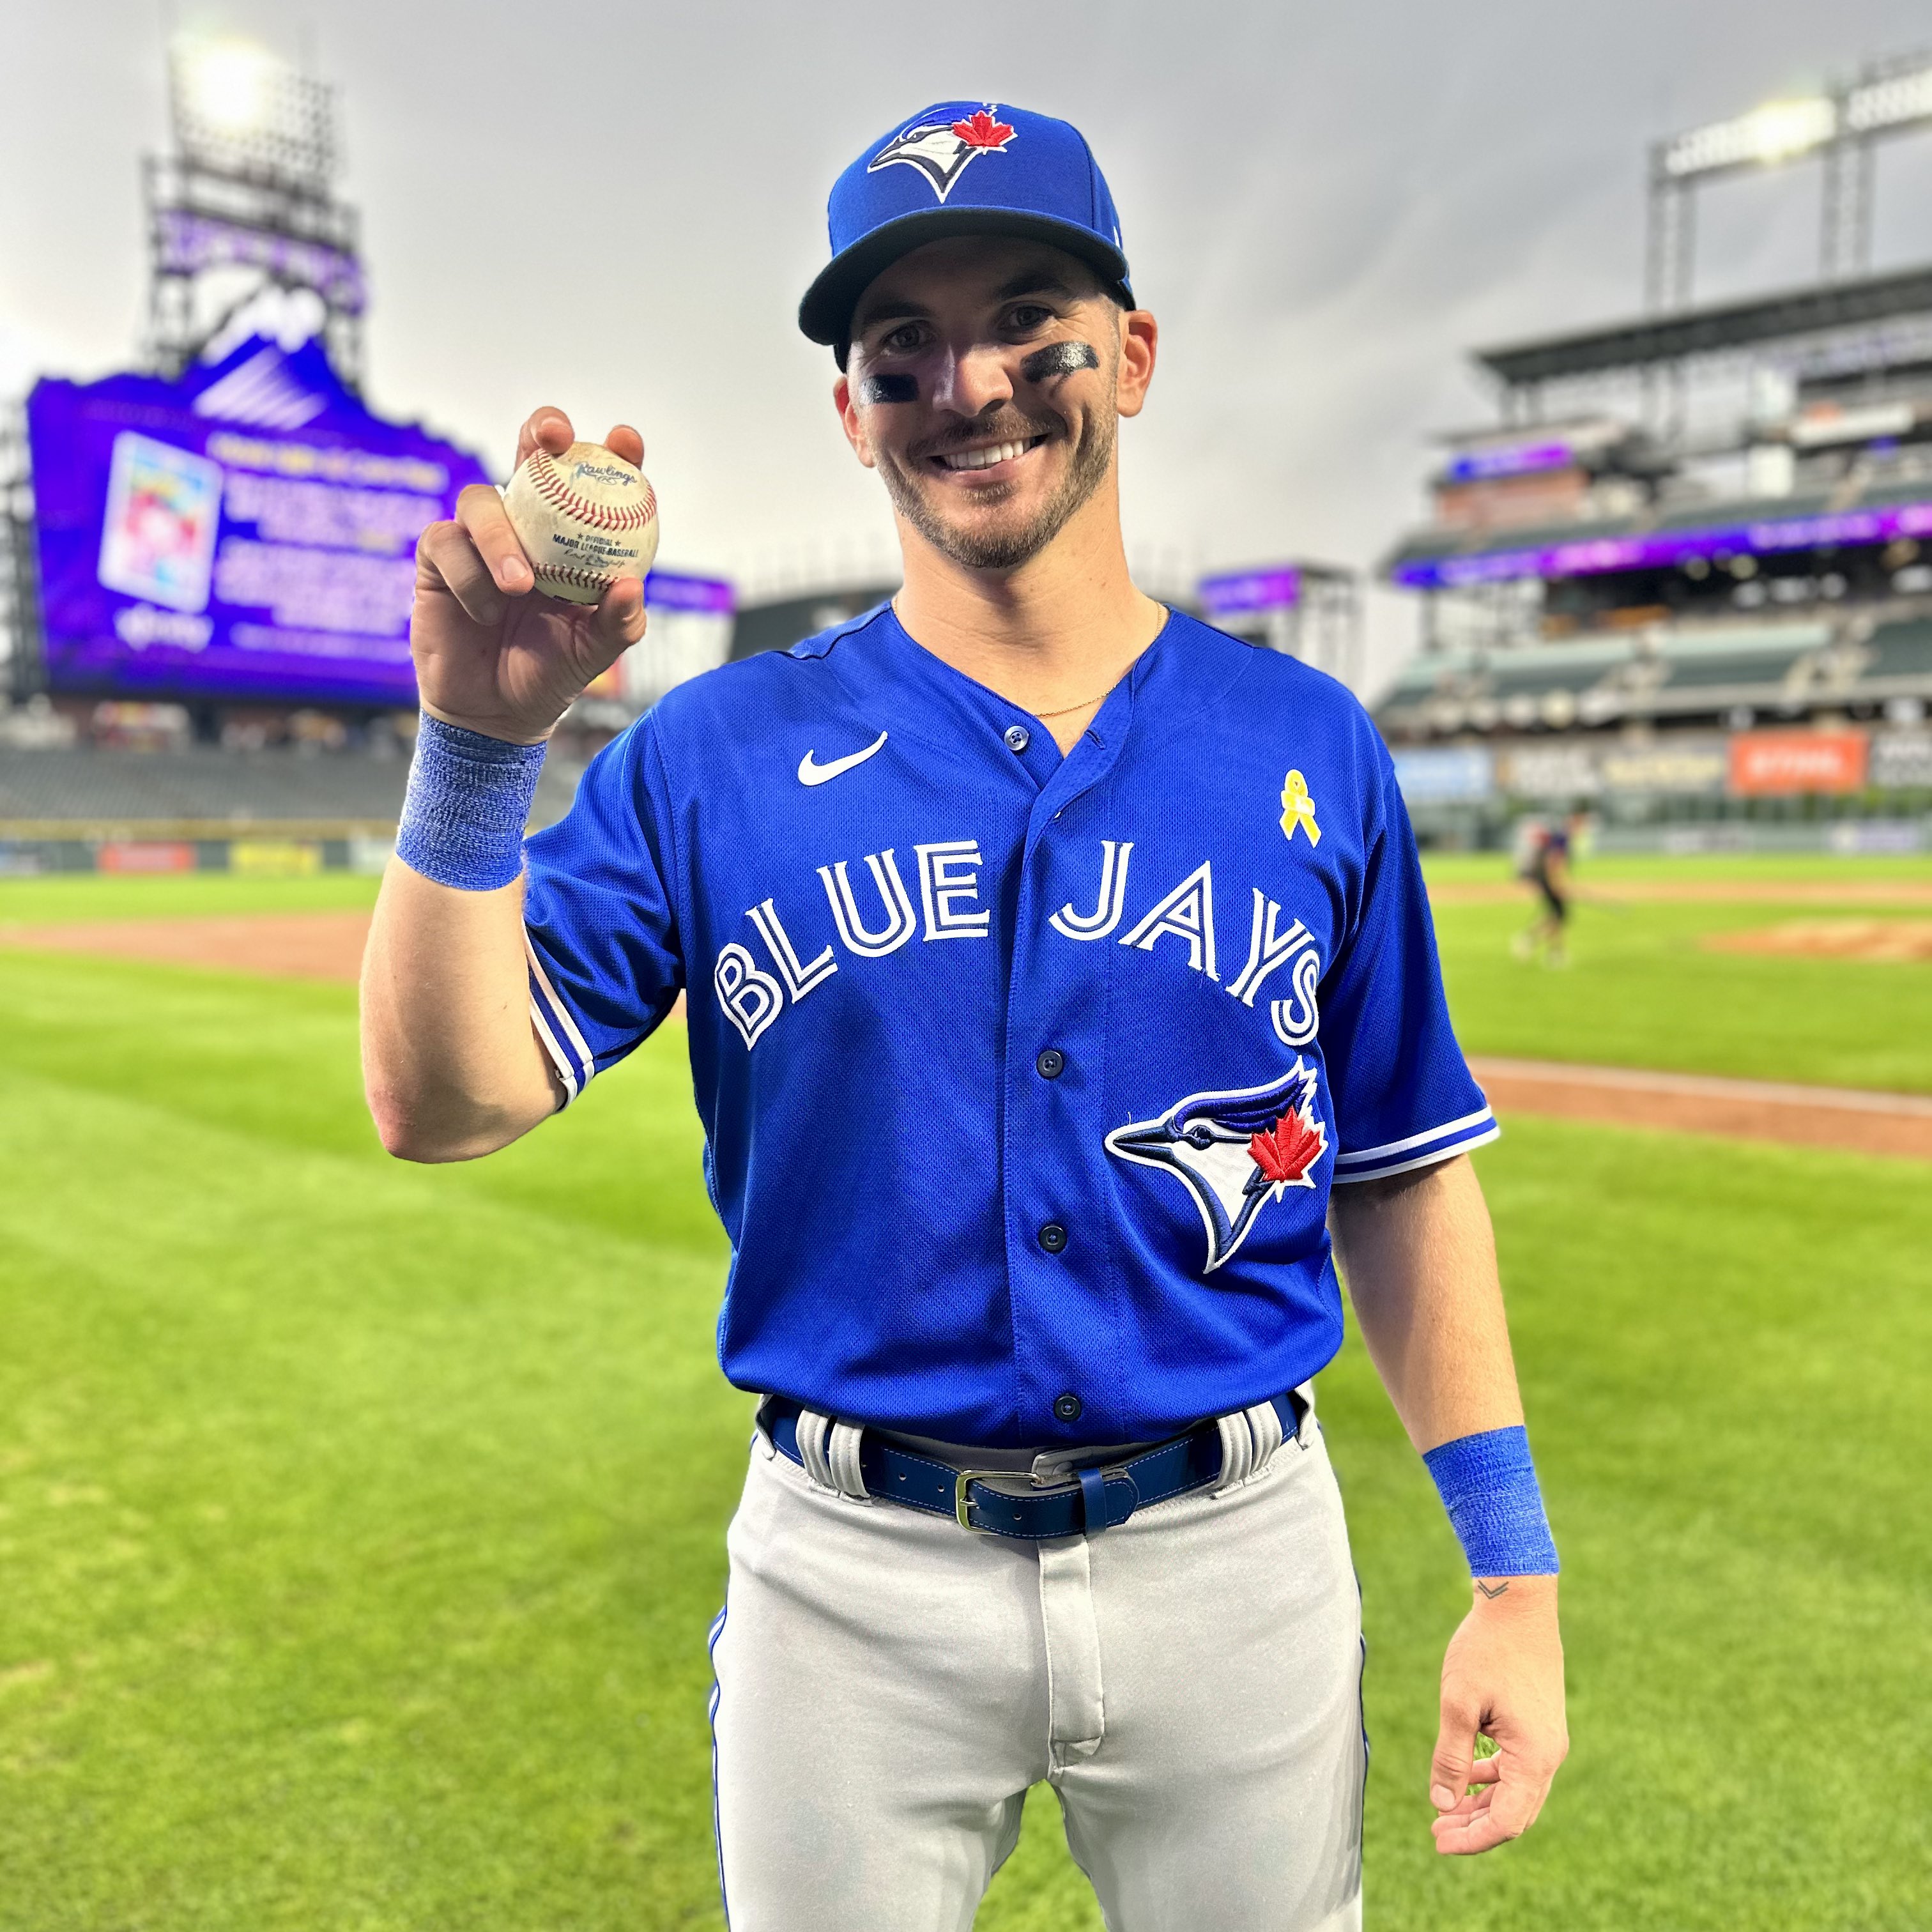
586	519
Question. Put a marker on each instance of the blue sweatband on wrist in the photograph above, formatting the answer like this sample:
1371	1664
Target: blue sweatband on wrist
468	801
1488	1485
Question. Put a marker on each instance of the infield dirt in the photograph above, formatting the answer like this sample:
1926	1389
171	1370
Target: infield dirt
285	945
1879	941
1696	892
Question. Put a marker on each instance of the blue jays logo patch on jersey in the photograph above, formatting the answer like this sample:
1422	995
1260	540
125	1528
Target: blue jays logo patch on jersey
1233	1152
940	150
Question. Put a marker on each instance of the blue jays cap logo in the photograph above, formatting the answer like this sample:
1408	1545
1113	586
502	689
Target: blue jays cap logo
941	149
1233	1152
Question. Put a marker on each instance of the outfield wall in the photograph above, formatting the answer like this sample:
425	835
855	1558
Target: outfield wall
295	851
1799	787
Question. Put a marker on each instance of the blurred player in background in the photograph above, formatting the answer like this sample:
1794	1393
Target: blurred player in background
1547	854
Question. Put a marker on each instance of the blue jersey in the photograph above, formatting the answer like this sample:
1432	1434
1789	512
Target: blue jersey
1024	1078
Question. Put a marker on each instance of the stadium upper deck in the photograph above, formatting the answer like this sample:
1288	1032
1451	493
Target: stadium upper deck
1710	519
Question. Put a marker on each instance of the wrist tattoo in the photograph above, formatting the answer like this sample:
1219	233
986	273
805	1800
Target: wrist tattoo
1501	1589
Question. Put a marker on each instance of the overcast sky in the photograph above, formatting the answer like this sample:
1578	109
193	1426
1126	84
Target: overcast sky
615	208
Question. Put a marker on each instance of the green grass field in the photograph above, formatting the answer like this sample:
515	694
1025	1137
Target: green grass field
360	1524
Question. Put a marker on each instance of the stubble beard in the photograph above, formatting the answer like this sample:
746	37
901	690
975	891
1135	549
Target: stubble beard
1006	547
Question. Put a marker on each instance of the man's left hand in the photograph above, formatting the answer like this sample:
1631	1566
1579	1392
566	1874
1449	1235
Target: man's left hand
1503	1677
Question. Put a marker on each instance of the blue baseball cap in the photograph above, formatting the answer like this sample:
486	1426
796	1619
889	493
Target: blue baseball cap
962	167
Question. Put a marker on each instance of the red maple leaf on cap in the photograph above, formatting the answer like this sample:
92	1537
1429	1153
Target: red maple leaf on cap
1290	1150
983	130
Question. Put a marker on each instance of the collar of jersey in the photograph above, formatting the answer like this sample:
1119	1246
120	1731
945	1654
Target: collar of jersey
894	682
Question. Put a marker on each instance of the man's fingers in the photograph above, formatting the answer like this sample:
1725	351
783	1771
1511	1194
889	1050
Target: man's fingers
1455	1750
480	512
1502	1810
619	619
624	441
446	550
548	426
1460	1837
1515	1798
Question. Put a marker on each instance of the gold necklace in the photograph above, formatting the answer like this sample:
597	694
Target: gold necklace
1066	708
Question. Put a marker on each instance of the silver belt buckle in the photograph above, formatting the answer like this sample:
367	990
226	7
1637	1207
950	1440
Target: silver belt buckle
961	1506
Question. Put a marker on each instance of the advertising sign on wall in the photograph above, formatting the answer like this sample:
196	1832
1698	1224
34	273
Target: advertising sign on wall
1902	760
1562	769
1445	774
247	530
1768	763
1678	767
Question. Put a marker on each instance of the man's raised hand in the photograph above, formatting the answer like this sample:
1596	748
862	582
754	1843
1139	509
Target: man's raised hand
490	654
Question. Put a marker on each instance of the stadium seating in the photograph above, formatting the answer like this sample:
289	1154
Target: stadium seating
1901	649
83	785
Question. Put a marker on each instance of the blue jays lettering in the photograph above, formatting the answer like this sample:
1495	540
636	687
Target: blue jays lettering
874	915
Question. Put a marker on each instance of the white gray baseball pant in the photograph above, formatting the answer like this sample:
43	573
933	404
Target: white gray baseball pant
1189	1683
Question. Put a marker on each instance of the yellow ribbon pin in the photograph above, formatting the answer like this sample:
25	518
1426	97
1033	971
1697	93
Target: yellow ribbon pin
1298	808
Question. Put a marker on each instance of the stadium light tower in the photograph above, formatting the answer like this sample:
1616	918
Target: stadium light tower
1843	126
244	227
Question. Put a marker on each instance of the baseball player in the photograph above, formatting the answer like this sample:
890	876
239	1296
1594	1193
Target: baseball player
1547	868
1062	1002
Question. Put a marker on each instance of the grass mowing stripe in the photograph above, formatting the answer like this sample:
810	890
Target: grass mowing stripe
368	1552
57	897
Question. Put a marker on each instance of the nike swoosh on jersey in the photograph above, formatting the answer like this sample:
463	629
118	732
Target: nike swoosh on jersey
810	772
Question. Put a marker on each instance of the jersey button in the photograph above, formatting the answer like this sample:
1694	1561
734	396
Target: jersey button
1053	1237
1018	737
1067	1407
1052	1063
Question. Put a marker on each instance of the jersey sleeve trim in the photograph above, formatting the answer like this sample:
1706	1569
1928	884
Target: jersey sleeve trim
562	1039
1453	1137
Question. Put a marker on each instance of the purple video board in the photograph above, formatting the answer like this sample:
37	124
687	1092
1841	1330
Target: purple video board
705	596
1511	459
1278	589
248	530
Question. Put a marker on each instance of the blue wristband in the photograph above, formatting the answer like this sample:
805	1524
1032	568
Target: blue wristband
468	801
1488	1485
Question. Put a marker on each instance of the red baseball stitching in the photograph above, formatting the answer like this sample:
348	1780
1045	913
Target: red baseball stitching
591	580
548	482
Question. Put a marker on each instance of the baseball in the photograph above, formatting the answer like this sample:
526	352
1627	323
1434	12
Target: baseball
586	520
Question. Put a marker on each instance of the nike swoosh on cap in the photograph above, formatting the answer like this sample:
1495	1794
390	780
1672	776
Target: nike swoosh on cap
810	772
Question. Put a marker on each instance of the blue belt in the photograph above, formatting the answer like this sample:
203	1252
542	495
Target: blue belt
1099	1497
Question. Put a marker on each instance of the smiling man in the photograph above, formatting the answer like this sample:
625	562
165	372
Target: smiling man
1059	974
